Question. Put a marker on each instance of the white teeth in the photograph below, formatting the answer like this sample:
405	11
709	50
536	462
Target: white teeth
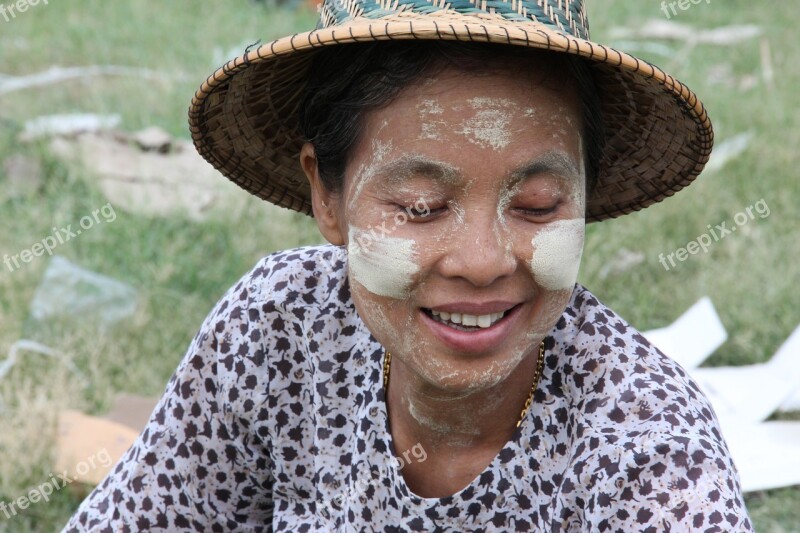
483	321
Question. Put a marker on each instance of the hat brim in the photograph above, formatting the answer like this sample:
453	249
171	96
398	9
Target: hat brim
243	119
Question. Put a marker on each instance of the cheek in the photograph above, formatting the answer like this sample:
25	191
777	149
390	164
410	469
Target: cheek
384	265
380	317
557	250
390	323
548	308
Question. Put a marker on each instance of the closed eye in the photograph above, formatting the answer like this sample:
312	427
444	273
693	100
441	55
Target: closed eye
538	211
414	212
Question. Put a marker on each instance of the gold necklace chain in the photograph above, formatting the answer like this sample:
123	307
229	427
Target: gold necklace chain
539	365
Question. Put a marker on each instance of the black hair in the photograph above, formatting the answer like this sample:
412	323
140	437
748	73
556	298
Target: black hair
347	80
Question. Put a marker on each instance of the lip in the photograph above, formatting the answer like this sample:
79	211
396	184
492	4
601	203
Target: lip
477	341
471	308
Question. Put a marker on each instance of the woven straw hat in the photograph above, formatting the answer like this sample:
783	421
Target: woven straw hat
243	119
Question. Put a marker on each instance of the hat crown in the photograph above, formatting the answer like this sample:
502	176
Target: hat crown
565	16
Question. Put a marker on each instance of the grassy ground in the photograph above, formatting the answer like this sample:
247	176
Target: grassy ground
180	268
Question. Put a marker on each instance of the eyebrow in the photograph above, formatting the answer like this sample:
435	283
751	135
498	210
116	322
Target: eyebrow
553	162
402	169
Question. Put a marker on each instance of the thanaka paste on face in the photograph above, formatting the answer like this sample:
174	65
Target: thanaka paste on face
558	247
398	172
384	265
418	352
430	124
488	127
433	369
455	432
557	250
500	226
366	171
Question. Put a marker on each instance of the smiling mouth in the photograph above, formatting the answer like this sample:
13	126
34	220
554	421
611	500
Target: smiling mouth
466	322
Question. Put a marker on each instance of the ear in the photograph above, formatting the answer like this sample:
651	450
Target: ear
326	205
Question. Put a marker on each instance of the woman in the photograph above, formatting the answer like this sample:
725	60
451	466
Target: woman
435	367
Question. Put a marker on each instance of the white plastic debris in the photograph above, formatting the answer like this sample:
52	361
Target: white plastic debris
68	124
767	455
694	336
751	393
669	30
56	74
34	347
150	173
70	291
728	150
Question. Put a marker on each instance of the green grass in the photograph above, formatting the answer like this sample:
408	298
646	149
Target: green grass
180	268
750	275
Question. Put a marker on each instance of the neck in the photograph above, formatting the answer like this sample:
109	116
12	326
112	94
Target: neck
456	422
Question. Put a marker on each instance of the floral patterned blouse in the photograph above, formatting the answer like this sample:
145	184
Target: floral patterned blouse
275	421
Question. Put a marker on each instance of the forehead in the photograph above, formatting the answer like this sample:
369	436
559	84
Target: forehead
486	124
511	82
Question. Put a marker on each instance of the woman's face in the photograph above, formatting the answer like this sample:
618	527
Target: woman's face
465	196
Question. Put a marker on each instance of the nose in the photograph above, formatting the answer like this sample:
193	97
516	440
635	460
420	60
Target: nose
479	250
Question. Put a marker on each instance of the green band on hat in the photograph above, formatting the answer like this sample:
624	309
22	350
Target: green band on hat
567	18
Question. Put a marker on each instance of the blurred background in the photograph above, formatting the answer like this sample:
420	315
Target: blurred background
117	239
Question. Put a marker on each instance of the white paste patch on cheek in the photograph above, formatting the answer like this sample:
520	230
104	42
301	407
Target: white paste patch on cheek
557	250
383	265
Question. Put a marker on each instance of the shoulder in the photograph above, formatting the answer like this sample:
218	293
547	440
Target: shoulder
280	285
625	396
647	438
258	326
303	276
662	481
618	379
